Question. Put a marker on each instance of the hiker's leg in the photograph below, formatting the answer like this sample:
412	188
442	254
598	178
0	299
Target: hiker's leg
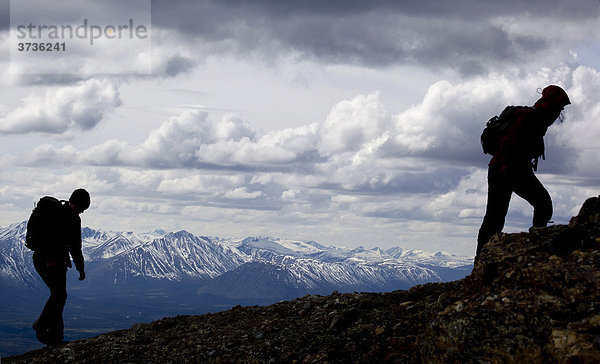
58	298
39	262
531	189
499	193
51	319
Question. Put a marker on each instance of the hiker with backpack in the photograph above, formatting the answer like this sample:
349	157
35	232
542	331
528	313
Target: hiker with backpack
54	233
515	140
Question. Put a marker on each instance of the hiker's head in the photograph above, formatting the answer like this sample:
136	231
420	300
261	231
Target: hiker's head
552	102
80	200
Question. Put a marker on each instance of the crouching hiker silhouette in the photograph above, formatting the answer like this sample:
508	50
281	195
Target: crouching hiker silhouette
54	233
516	141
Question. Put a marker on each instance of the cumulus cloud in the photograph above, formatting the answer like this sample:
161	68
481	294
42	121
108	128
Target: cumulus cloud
195	140
352	123
48	154
448	123
63	110
242	193
199	184
358	139
577	137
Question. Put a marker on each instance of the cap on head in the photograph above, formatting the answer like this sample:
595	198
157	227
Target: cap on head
80	198
553	96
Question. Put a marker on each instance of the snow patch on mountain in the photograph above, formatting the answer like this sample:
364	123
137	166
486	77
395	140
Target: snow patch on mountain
439	259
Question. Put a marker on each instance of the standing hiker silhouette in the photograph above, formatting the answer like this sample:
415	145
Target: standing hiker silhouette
54	234
512	166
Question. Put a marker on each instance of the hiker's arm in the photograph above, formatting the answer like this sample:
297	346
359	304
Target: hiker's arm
75	247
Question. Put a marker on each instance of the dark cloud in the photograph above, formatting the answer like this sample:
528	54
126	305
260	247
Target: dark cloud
462	35
457	34
177	65
4	15
464	9
48	79
439	180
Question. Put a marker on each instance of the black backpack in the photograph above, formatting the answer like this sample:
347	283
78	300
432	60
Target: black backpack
495	129
45	224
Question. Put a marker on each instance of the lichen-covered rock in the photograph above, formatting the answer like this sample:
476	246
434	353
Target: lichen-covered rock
531	298
589	212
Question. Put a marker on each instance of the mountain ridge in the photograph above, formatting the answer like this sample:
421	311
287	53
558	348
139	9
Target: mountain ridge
181	255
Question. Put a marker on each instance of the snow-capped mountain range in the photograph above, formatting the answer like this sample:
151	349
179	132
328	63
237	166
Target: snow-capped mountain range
235	268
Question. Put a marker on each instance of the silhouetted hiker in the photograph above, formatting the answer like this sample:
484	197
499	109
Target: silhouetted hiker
512	165
54	232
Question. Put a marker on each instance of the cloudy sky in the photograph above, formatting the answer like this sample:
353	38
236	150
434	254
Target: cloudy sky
345	122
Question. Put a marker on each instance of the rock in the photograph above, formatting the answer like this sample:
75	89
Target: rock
589	212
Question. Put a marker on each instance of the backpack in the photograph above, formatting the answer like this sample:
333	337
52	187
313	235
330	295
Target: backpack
495	129
45	224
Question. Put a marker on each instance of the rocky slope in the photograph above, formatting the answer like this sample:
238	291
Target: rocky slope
532	297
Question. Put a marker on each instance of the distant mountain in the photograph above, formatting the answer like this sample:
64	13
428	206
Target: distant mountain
172	257
16	267
449	267
226	267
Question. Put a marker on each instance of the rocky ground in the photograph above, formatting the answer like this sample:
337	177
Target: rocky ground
532	298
